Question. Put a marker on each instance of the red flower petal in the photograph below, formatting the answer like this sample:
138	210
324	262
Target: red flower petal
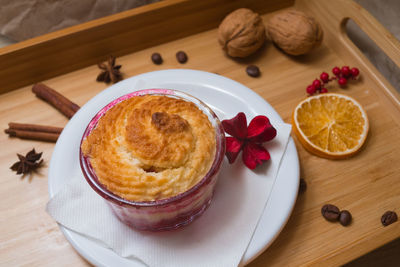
254	154
233	147
260	130
237	126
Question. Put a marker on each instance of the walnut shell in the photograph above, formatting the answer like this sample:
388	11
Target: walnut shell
241	33
294	32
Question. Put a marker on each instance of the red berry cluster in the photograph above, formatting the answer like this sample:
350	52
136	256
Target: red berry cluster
341	75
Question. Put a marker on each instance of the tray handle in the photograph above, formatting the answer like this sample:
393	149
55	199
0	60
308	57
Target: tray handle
373	28
334	14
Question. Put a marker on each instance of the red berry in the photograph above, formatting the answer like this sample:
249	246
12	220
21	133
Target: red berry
355	72
342	81
317	84
324	77
311	89
336	71
346	71
324	90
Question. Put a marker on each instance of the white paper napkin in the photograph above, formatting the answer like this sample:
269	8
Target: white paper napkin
219	237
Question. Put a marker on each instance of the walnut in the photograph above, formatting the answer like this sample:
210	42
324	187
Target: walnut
294	32
241	33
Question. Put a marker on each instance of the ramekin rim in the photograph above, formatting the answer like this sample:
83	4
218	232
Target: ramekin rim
89	174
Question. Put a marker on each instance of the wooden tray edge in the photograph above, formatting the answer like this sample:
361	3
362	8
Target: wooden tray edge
86	44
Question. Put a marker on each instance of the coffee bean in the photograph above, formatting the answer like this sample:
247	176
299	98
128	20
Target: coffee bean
345	217
388	217
253	71
330	212
302	186
156	58
181	57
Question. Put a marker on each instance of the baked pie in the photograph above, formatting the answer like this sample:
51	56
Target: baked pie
149	149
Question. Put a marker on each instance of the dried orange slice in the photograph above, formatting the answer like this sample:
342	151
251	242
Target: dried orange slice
330	125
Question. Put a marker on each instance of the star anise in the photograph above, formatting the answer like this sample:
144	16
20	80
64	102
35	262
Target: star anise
110	71
28	163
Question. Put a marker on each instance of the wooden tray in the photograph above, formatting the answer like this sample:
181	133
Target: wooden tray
366	184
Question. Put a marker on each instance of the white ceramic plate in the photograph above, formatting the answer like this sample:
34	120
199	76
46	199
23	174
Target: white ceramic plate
226	97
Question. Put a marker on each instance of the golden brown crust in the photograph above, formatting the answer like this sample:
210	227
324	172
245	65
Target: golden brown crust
151	147
168	123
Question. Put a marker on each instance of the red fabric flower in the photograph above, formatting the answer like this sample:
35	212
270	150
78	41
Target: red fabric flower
248	139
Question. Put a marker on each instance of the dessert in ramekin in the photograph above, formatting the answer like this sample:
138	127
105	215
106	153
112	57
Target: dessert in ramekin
154	155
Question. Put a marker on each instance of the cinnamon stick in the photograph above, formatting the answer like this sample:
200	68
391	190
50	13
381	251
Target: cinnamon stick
41	136
34	127
60	102
33	131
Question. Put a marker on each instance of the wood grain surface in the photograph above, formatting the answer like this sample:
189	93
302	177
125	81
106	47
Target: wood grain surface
366	184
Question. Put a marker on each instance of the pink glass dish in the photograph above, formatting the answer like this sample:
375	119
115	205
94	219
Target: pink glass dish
170	213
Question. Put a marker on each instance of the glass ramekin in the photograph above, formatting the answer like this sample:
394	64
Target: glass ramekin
170	213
